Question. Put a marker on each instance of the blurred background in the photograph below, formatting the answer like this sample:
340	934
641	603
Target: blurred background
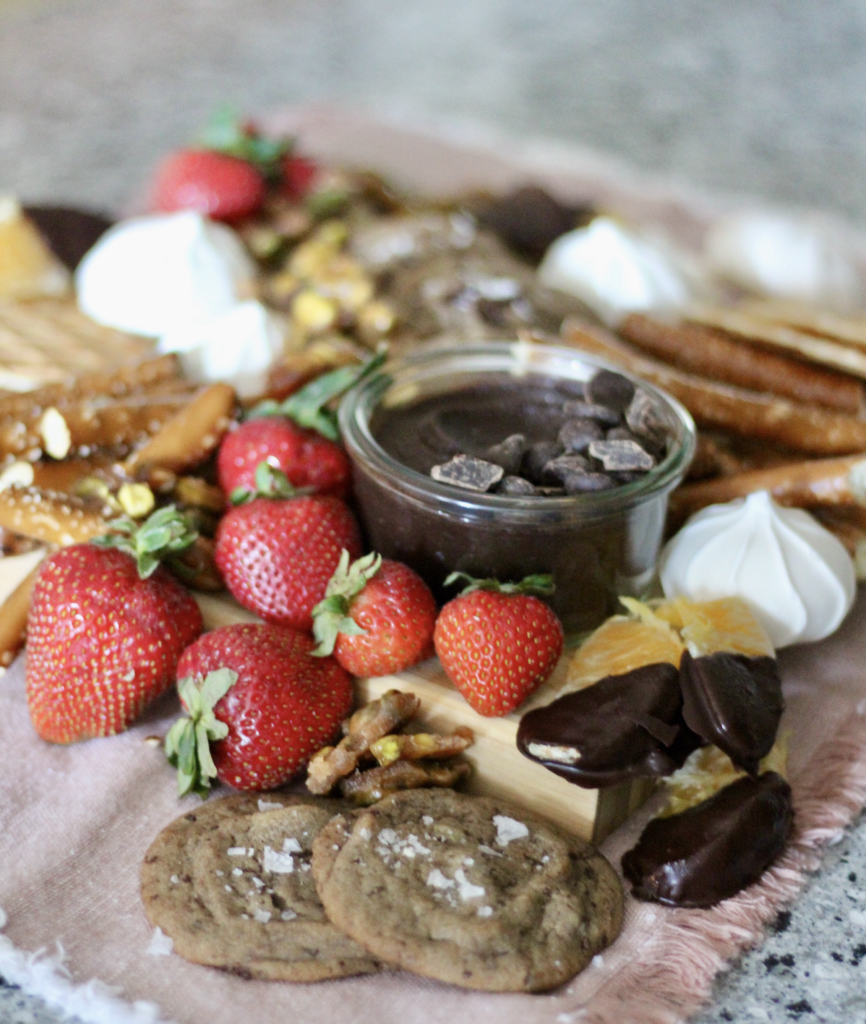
756	98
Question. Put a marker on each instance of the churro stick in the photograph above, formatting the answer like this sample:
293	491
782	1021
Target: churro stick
850	330
711	353
50	517
807	346
801	484
722	406
191	435
116	384
13	619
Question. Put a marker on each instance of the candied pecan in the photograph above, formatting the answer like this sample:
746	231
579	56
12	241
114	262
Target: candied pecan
412	746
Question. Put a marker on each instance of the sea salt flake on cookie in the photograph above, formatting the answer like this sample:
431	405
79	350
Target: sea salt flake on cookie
508	829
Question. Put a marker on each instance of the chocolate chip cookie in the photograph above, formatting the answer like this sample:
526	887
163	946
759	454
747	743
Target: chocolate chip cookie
231	884
467	890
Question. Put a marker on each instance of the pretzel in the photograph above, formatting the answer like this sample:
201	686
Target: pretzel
803	428
710	353
116	384
13	620
50	517
802	484
190	435
808	346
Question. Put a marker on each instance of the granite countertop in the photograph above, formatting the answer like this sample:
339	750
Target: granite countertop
742	99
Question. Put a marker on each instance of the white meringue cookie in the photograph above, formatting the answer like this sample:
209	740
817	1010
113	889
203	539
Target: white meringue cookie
785	256
796	576
147	275
614	271
239	345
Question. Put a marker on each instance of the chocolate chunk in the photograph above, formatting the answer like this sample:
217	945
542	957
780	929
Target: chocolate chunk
710	852
576	409
563	465
469	473
616	729
69	233
576	435
536	458
588	483
515	487
622	456
508	453
733	701
610	389
529	219
644	417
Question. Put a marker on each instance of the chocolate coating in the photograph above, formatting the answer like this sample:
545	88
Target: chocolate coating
69	233
733	701
619	728
529	219
713	850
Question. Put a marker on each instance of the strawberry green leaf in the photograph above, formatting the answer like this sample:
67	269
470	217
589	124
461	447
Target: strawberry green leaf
228	133
540	583
270	483
165	533
331	615
308	407
187	745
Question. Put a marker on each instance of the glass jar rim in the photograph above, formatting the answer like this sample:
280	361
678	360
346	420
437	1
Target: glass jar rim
516	359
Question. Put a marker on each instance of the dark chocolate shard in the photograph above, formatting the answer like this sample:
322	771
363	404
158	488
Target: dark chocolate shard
469	473
608	732
712	851
645	418
560	467
577	435
515	487
733	701
508	453
602	414
68	232
536	457
610	389
587	483
621	456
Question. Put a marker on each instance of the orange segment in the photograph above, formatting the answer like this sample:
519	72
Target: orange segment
724	625
619	645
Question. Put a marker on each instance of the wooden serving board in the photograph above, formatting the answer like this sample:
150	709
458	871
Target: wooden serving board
498	768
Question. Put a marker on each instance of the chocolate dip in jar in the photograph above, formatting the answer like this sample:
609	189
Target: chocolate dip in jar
599	539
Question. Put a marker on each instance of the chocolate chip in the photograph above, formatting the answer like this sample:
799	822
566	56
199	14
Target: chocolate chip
536	458
515	487
621	456
576	435
712	851
529	219
508	453
604	415
469	473
610	389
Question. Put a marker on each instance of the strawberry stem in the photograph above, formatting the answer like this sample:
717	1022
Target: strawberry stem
164	534
308	406
228	133
270	483
331	615
540	584
187	745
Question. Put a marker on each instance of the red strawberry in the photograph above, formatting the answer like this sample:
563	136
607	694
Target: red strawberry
102	641
377	617
298	175
307	458
277	554
267	705
498	645
218	185
297	436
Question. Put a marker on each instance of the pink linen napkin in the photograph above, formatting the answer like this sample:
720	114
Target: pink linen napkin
76	821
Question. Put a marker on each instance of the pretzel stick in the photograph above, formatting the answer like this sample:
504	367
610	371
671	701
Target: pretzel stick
13	619
190	436
50	517
722	406
851	330
710	353
800	484
818	350
116	384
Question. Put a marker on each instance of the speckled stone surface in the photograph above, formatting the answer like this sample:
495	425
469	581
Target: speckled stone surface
755	99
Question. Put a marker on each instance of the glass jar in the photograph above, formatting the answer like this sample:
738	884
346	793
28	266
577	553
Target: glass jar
597	546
